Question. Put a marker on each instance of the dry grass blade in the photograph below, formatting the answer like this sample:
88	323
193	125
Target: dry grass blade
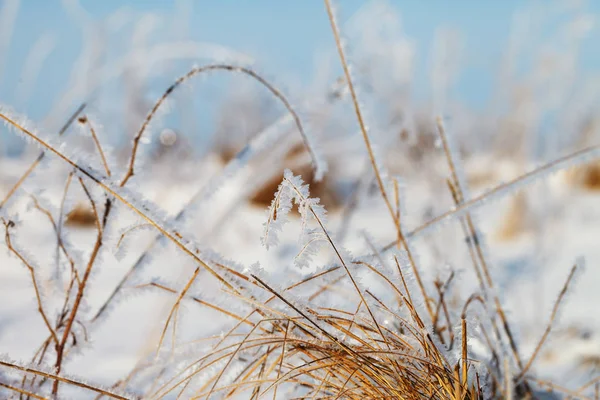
7	237
21	391
394	214
200	301
128	231
375	370
175	307
554	387
61	214
63	379
542	340
282	357
84	120
232	356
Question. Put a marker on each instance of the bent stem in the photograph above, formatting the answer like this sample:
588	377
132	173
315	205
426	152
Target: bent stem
214	67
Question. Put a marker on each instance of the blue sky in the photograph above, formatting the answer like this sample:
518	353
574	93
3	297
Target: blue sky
283	35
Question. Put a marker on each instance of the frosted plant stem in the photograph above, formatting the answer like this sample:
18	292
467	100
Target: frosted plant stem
458	194
57	377
402	239
214	67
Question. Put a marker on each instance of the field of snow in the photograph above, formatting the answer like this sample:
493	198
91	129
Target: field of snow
558	224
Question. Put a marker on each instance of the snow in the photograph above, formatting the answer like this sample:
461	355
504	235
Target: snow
529	268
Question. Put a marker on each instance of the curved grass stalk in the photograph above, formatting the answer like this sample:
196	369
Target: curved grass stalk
215	67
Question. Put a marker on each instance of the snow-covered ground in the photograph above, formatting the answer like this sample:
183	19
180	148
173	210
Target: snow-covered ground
554	224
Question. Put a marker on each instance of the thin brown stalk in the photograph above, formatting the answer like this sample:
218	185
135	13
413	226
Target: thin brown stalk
549	325
406	291
441	305
256	392
357	109
128	231
80	290
176	306
200	301
593	382
558	388
457	197
84	120
61	214
21	391
57	377
39	356
7	226
397	202
465	367
471	299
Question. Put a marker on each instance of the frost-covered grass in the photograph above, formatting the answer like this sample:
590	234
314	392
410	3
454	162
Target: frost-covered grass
415	258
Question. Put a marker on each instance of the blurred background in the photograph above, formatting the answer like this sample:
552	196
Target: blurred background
56	54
